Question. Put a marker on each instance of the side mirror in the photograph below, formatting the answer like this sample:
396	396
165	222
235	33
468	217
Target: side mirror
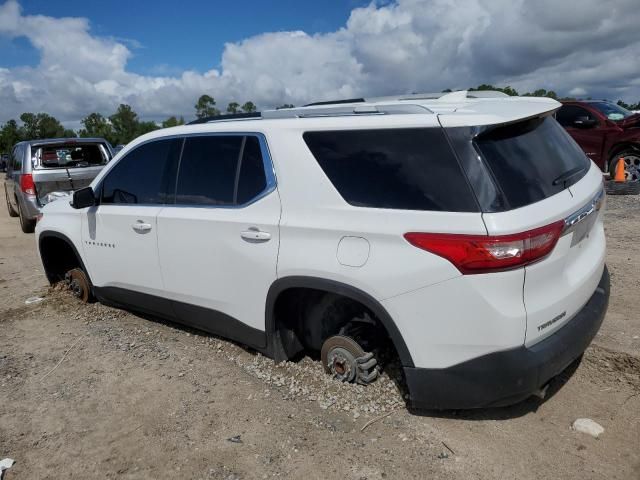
83	198
585	122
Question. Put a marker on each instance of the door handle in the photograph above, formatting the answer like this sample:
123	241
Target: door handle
253	235
141	227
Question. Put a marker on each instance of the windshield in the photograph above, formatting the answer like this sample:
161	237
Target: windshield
70	155
611	110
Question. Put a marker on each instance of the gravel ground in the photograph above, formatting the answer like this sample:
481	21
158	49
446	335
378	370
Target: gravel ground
88	391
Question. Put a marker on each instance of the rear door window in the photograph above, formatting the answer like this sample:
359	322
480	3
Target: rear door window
408	169
208	168
146	175
220	170
252	179
532	160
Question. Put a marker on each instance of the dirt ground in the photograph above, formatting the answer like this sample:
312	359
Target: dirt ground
87	391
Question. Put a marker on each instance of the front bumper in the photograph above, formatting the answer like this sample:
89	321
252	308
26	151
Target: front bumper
504	378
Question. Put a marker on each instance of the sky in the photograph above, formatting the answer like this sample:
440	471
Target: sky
70	58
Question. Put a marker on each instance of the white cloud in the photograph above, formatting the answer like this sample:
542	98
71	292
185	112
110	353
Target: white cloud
400	47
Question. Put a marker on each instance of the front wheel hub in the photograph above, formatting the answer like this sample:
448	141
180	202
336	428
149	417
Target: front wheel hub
344	359
78	284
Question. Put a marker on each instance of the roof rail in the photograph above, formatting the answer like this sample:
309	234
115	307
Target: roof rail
336	102
341	110
231	116
443	96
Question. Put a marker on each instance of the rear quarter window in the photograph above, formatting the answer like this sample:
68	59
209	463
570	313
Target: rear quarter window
532	160
408	169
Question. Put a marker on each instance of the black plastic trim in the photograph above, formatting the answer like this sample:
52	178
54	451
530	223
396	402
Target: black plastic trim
231	116
201	318
53	234
338	288
504	378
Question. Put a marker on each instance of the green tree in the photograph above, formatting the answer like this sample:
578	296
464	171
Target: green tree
42	125
146	127
125	124
286	105
541	92
95	125
172	122
206	107
507	90
10	134
249	107
233	107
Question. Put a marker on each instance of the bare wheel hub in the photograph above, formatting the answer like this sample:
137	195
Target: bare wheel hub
344	359
631	167
78	284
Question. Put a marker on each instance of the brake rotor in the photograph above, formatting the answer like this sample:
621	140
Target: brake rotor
344	359
78	284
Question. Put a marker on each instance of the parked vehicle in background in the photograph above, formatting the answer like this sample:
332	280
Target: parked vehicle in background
40	171
465	233
606	132
117	149
4	159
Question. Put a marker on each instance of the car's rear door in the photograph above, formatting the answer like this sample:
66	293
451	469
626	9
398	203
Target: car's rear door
119	235
219	243
545	178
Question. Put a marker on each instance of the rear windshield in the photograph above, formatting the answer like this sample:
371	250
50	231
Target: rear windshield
532	160
409	169
70	155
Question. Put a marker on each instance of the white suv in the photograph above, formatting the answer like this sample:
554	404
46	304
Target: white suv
465	232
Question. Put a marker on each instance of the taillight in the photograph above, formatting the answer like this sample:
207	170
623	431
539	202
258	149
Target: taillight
27	185
490	253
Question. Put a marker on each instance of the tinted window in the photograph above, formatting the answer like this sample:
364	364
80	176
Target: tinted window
16	160
252	180
145	175
532	160
208	170
411	169
570	113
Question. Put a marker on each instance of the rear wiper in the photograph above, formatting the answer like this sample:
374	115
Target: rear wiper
566	176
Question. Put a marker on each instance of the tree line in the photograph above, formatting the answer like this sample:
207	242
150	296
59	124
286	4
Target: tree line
120	128
124	125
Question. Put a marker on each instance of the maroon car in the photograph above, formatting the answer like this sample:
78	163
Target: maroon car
605	131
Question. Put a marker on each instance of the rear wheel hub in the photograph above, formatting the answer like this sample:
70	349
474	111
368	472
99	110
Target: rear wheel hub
344	359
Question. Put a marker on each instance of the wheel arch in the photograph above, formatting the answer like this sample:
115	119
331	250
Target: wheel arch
330	286
620	147
42	242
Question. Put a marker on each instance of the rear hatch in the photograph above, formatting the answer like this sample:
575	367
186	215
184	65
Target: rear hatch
544	178
60	168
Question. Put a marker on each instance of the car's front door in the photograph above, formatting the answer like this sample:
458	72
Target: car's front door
119	235
219	244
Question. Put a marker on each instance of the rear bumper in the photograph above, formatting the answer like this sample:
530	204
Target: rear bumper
29	205
505	378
